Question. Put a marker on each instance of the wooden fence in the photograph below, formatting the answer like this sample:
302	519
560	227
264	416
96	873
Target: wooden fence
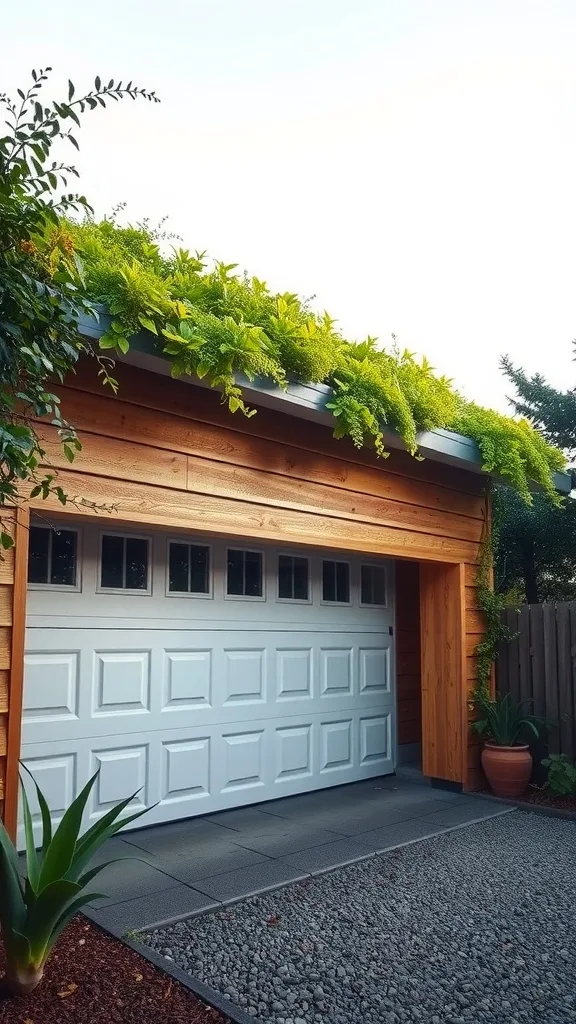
539	665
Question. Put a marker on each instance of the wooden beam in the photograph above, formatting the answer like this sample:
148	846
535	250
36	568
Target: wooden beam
186	510
443	669
16	684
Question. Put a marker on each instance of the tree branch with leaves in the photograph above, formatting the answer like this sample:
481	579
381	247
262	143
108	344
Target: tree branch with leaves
42	292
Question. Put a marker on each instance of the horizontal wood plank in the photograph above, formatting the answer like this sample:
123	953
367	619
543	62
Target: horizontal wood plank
408	710
5	646
475	621
225	444
282	492
164	507
409	732
105	456
3	691
7	565
151	391
407	640
124	460
6	593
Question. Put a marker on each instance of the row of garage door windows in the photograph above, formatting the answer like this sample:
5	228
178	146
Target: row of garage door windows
124	564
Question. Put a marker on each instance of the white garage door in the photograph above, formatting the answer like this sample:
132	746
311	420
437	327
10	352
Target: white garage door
204	674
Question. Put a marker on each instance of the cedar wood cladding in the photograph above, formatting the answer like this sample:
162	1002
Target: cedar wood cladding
168	453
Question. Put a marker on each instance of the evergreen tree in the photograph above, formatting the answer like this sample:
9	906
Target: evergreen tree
536	556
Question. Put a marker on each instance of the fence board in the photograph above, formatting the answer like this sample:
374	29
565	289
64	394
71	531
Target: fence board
551	676
513	654
525	661
537	658
539	665
565	682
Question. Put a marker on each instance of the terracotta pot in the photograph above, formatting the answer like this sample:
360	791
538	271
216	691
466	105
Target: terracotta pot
508	769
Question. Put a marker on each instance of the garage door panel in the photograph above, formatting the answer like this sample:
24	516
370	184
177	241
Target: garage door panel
133	689
52	691
198	771
198	706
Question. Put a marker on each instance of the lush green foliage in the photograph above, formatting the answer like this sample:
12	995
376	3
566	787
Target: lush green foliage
552	412
35	910
561	774
41	286
502	721
208	319
216	323
490	602
536	553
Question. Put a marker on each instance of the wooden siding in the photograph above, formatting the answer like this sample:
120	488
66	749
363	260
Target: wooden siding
13	573
408	680
168	453
443	640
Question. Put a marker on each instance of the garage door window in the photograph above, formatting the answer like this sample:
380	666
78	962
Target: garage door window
293	578
373	586
125	563
53	557
244	577
336	582
188	569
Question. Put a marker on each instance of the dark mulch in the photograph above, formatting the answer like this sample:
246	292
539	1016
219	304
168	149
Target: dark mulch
541	798
93	979
545	798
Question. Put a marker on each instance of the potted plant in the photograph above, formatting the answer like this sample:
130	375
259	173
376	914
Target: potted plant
506	759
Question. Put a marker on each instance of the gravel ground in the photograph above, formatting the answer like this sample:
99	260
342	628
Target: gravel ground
476	925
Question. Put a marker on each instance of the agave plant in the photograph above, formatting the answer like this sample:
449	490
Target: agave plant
504	721
35	909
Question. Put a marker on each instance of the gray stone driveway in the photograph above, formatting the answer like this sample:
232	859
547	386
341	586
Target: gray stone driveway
199	864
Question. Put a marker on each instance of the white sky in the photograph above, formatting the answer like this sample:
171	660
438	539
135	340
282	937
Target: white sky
411	163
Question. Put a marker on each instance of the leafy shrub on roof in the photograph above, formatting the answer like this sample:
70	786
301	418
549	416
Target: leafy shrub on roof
216	323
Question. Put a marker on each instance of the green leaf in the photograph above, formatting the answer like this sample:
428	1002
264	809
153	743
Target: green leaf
31	856
51	902
44	811
68	914
12	906
108	340
70	90
97	83
99	832
60	853
123	344
148	324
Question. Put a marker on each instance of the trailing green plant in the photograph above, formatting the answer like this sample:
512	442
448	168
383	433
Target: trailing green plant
42	291
35	909
561	774
490	602
502	720
217	323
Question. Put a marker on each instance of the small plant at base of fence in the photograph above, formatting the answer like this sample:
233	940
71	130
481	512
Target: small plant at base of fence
561	779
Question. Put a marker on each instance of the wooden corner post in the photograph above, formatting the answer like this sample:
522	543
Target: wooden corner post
443	671
14	582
